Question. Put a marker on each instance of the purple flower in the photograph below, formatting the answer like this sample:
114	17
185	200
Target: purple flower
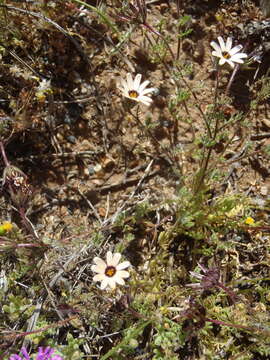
46	354
43	354
24	353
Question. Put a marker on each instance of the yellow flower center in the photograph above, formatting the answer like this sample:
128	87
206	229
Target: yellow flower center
110	271
133	94
226	55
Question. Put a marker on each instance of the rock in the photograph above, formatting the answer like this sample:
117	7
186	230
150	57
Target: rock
264	190
266	122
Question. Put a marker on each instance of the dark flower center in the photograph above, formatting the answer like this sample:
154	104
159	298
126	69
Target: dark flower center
133	94
226	55
110	271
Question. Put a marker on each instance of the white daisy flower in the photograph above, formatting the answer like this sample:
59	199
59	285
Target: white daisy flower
135	90
226	53
110	272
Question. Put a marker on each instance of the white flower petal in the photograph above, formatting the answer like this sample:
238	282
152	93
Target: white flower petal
99	261
98	268
137	82
122	273
126	94
147	91
237	60
145	100
111	282
115	259
119	280
222	61
124	86
109	257
221	43
215	46
123	265
104	283
228	44
143	85
93	267
230	62
217	53
129	81
238	56
235	49
99	277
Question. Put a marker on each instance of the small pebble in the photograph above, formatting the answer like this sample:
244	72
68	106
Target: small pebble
97	168
71	139
264	190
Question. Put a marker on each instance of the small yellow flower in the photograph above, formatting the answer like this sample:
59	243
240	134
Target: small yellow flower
249	221
163	310
6	227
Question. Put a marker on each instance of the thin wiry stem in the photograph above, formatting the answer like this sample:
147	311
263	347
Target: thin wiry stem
3	152
231	80
179	38
215	105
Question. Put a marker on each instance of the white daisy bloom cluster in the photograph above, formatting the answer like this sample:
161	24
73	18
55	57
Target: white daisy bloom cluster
135	90
227	53
110	273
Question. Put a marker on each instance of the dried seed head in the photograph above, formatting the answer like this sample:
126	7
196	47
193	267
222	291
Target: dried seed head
18	186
